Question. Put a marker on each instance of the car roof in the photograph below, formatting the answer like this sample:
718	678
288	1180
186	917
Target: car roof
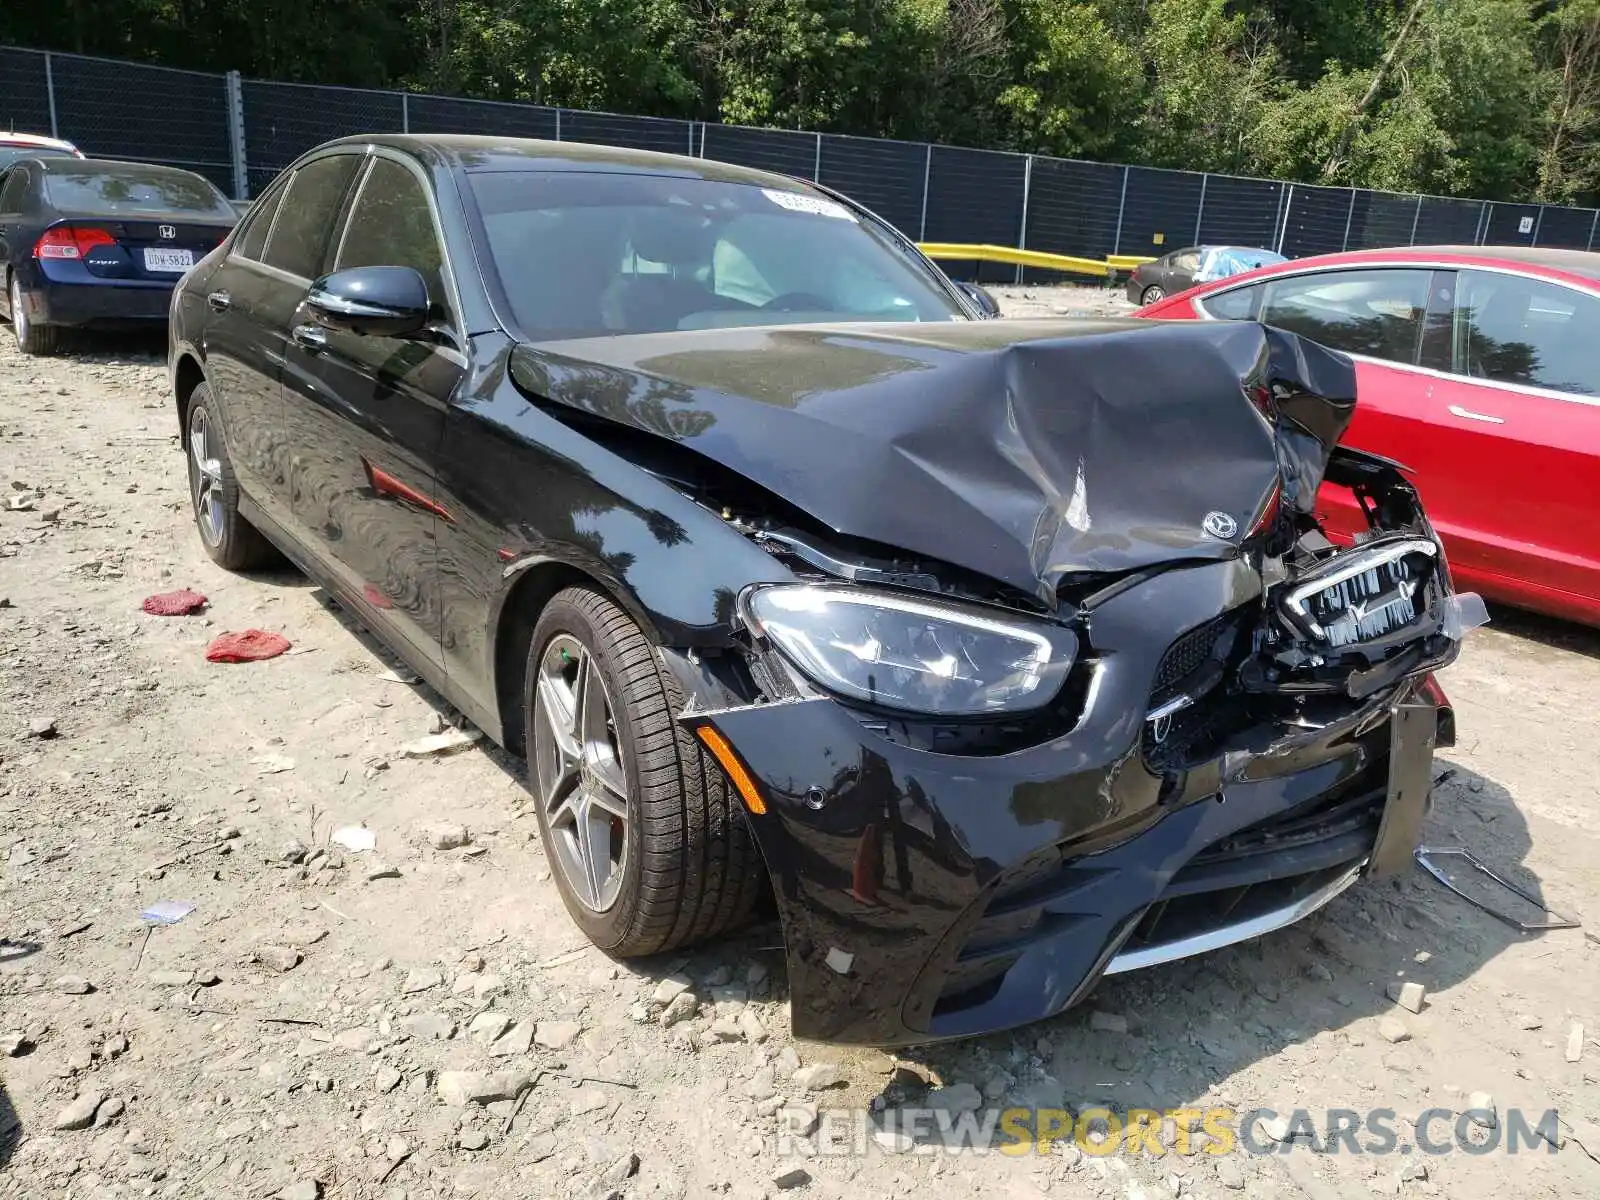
13	138
476	153
77	166
1550	258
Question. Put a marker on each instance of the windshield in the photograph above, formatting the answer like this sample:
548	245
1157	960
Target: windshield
129	188
584	254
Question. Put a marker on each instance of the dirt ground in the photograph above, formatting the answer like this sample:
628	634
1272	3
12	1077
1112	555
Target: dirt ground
302	1032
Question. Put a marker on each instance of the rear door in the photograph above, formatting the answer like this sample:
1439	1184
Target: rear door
1521	419
13	198
373	411
254	295
1181	270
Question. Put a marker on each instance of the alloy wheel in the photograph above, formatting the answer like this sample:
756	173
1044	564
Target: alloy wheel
19	314
1152	294
579	772
205	478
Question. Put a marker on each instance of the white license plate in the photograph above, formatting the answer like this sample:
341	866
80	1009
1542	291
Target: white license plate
168	260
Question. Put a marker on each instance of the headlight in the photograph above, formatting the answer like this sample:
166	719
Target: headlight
922	656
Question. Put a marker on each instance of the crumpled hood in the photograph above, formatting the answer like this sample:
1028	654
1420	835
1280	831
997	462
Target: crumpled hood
1022	450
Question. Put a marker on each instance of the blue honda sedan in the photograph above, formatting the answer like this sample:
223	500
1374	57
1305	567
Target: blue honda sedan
94	243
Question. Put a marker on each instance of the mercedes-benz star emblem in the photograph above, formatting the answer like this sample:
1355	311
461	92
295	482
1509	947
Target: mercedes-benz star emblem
1220	525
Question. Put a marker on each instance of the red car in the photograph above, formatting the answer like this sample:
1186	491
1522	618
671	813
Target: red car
1478	369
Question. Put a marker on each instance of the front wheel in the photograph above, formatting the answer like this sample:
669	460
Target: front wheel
1152	294
229	539
641	829
31	338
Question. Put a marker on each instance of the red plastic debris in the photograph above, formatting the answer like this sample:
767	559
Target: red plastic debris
174	604
249	646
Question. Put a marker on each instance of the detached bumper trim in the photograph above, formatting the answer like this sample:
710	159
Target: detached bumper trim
1242	931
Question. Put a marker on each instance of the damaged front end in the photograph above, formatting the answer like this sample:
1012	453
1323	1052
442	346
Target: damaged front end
1132	706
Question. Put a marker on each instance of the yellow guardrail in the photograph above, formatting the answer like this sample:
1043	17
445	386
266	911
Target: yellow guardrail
974	252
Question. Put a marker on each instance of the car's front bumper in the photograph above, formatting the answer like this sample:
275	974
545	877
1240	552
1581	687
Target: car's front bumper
929	895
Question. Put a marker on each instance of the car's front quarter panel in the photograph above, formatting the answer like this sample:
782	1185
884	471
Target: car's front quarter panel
526	491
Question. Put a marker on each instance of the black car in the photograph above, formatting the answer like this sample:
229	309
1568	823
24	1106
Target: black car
999	654
1180	270
95	243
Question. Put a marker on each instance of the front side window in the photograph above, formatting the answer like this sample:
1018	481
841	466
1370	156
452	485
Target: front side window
1377	313
391	225
588	254
310	206
1512	329
132	189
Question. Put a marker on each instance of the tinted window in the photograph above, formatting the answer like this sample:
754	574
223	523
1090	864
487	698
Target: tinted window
1376	313
13	190
1516	330
1187	261
130	188
391	225
1239	304
258	224
309	208
583	255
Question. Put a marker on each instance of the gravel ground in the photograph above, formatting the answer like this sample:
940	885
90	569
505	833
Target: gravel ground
422	1020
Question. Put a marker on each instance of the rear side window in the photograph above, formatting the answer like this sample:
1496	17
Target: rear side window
391	225
1511	329
309	208
1377	313
134	190
258	223
1239	304
13	190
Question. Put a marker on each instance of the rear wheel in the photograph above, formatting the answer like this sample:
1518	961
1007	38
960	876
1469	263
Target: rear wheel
1153	293
641	828
31	338
229	539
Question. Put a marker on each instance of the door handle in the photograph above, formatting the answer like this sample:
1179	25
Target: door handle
1467	414
219	301
310	337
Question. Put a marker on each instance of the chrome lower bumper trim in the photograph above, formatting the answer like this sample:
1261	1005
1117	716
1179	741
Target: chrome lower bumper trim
1227	935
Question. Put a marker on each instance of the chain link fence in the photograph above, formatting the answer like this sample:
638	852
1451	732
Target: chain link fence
239	133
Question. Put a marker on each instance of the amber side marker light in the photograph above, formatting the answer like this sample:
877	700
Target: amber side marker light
743	784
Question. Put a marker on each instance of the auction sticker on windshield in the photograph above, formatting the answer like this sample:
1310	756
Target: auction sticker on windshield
168	260
815	205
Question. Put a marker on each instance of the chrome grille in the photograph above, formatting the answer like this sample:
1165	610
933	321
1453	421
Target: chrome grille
1364	594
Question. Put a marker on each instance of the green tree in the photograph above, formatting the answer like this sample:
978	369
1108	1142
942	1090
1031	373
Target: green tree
1075	88
1214	76
1569	160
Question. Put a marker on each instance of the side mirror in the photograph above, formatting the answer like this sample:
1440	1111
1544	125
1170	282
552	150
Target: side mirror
987	304
376	301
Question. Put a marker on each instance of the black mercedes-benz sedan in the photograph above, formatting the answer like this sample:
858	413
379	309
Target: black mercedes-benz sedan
98	244
1000	655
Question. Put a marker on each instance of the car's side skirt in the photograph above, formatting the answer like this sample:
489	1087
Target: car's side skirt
297	553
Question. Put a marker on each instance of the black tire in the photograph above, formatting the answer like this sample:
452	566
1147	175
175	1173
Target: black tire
37	340
1153	293
690	869
230	540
